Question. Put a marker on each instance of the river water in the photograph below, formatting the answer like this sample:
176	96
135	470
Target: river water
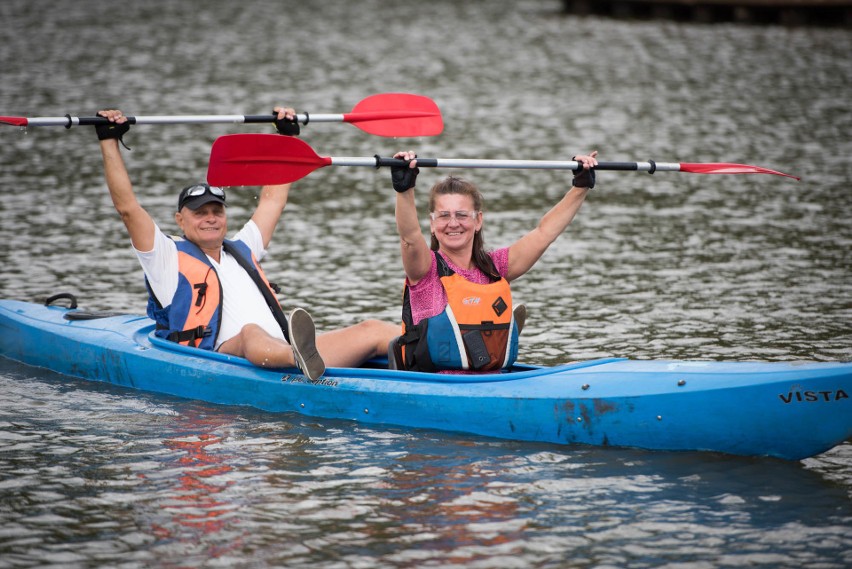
670	266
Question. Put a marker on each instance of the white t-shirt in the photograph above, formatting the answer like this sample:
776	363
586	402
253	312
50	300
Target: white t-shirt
242	302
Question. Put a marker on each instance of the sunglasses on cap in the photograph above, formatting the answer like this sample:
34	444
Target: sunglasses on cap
199	190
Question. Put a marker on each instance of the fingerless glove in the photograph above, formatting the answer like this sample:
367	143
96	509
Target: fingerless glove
403	177
584	178
287	127
111	130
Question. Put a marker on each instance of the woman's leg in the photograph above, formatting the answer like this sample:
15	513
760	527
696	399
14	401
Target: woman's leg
352	346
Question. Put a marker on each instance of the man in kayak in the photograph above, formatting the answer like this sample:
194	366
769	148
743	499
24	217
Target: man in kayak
457	305
210	292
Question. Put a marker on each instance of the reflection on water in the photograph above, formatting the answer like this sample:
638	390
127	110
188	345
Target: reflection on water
664	266
104	473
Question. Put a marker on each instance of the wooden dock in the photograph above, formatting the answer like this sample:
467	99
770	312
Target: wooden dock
835	13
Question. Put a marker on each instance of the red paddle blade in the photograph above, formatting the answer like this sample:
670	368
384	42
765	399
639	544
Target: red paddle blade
397	115
728	168
261	160
14	121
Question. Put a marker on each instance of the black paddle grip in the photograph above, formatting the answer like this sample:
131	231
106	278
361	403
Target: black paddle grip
400	163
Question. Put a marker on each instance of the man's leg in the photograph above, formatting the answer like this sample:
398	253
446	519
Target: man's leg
258	347
263	350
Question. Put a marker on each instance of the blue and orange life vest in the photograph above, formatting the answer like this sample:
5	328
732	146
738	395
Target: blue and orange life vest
476	331
195	314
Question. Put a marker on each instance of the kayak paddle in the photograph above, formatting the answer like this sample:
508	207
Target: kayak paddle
387	114
266	159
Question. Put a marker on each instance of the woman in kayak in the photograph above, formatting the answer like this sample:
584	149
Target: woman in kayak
210	292
457	306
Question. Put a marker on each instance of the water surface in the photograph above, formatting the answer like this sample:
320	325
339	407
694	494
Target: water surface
664	266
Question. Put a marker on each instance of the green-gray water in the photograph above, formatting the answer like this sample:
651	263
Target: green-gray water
664	266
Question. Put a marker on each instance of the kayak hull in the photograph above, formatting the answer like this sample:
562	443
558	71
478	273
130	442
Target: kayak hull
789	410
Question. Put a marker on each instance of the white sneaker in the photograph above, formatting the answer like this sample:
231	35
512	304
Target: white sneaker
303	336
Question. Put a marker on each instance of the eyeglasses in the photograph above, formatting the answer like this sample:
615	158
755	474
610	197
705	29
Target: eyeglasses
200	190
462	216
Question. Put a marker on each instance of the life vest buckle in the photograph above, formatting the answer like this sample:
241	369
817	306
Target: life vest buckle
190	335
202	331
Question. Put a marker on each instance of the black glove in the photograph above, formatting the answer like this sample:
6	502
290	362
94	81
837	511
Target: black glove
583	178
287	127
403	177
111	130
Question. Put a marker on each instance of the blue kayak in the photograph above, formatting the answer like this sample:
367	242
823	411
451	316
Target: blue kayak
782	409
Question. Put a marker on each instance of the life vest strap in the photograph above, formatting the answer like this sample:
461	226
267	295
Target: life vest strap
485	326
190	335
266	291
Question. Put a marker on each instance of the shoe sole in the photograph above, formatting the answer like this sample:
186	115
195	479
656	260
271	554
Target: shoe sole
520	315
303	341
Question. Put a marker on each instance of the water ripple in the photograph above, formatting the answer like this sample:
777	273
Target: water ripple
663	266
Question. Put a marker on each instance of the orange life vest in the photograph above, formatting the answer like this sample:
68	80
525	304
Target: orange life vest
195	314
476	331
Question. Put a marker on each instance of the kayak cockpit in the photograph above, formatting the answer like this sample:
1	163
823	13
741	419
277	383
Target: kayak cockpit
377	368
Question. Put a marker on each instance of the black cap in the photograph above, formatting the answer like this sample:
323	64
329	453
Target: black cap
197	195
